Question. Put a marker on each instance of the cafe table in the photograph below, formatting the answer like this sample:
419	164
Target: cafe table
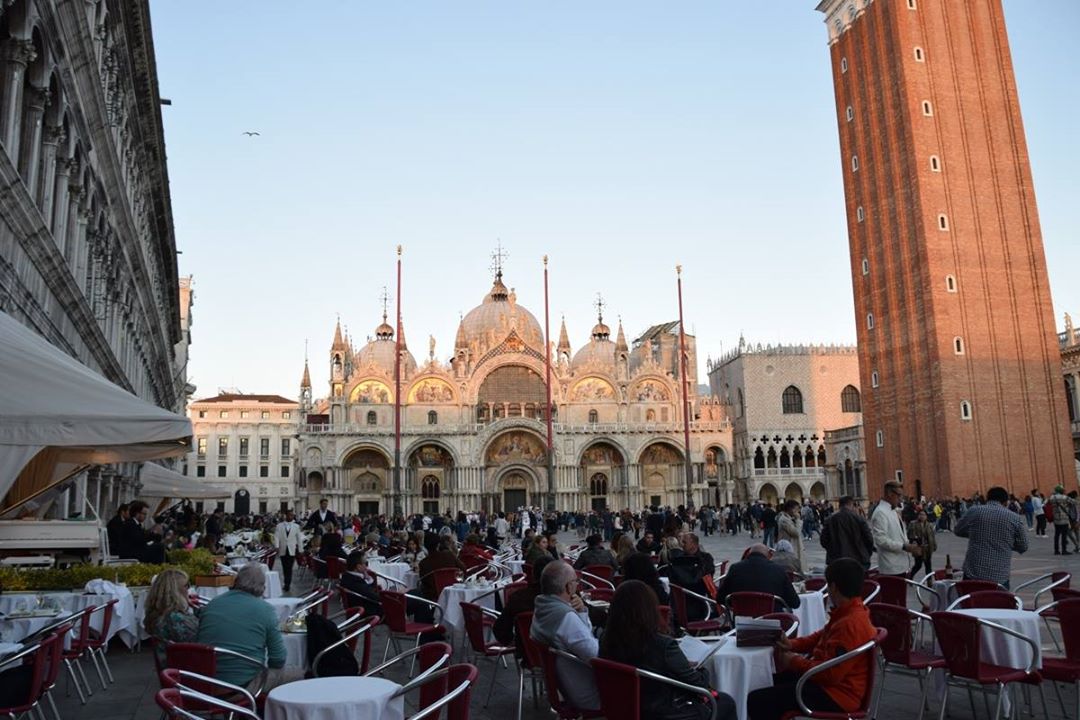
335	698
735	670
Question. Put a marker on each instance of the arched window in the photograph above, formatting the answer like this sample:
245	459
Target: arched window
809	456
792	401
950	283
854	163
860	214
1070	397
650	416
869	321
935	163
958	345
785	458
843	61
771	457
796	458
432	417
598	484
759	459
742	405
821	456
879	438
919	54
875	379
850	402
594	417
927	108
429	488
850	114
965	410
371	417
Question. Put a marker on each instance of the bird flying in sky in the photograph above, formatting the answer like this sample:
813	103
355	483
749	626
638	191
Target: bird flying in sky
249	133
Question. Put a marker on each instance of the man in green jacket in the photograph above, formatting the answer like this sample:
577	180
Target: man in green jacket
241	621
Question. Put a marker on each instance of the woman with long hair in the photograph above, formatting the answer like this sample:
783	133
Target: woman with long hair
168	616
624	548
632	637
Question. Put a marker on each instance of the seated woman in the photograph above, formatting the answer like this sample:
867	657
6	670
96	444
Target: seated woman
632	637
537	550
414	553
639	566
168	616
623	549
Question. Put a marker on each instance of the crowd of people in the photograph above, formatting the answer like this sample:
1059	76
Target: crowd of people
646	552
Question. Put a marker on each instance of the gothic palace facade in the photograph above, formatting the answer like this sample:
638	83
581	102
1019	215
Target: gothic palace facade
474	430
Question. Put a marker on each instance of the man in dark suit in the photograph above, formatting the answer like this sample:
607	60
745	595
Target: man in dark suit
115	528
758	574
320	517
846	534
137	543
361	592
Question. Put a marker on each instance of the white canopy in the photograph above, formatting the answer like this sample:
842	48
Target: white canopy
52	402
161	482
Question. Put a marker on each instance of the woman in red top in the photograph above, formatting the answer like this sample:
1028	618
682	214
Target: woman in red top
839	689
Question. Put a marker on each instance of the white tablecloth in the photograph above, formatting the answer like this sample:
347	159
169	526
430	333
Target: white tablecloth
811	613
516	566
732	669
9	648
335	698
396	570
273	587
124	621
284	606
295	649
944	589
450	601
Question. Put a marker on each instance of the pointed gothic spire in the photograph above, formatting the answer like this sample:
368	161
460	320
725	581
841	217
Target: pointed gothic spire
401	335
306	381
564	338
460	341
339	342
620	340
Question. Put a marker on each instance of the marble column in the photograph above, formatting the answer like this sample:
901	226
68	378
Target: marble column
30	154
45	193
18	55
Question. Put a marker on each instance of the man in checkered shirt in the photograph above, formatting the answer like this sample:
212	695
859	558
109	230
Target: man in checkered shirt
993	532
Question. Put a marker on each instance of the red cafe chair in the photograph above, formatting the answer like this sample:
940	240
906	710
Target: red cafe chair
1066	669
557	698
1000	599
712	624
865	653
898	652
177	703
477	621
450	687
619	687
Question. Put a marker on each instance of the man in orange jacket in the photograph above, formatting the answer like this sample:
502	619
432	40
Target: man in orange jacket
839	689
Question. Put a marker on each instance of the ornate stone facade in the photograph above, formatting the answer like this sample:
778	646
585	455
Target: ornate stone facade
87	251
783	402
474	429
1069	341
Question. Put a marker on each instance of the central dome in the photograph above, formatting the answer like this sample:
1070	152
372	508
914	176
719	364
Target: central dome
380	352
496	316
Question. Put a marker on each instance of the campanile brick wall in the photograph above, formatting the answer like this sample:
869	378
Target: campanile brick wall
945	246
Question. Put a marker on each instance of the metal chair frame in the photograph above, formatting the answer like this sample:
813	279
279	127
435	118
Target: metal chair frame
869	646
437	706
649	675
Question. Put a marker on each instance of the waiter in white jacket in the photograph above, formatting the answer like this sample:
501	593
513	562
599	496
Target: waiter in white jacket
287	539
890	538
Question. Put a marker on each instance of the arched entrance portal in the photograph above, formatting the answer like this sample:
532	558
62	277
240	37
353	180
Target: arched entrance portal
515	490
367	470
793	492
241	502
768	494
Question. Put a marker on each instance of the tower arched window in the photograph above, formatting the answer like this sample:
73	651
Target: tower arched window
792	400
879	438
935	163
927	108
965	410
850	401
372	419
869	321
432	417
860	214
854	163
919	57
950	283
594	417
958	345
875	379
850	113
843	60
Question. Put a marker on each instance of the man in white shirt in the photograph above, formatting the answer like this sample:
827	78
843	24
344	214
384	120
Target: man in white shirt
561	621
890	538
287	540
502	529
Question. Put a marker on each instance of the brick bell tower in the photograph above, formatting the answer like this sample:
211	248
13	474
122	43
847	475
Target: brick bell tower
958	353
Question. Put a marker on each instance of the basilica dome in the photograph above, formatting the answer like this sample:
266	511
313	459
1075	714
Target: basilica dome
600	351
380	352
496	316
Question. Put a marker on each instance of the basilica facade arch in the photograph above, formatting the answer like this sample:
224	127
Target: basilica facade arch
474	429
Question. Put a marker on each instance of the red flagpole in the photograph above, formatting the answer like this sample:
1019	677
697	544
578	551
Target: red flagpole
398	510
685	394
549	504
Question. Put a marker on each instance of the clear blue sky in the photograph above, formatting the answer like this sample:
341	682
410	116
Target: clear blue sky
620	138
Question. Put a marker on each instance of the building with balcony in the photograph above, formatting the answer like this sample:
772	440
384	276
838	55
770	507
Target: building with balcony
783	401
247	443
474	429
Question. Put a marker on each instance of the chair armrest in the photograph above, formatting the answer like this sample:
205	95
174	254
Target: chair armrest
784	605
437	706
351	636
710	604
434	605
828	664
217	683
28	650
405	655
241	656
703	692
387	578
596	578
1048	588
920	587
1019	636
213	701
1046	608
956	603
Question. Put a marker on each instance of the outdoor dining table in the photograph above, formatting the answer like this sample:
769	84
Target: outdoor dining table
399	571
16	629
273	587
9	648
295	649
736	670
450	600
811	612
335	698
125	622
284	606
